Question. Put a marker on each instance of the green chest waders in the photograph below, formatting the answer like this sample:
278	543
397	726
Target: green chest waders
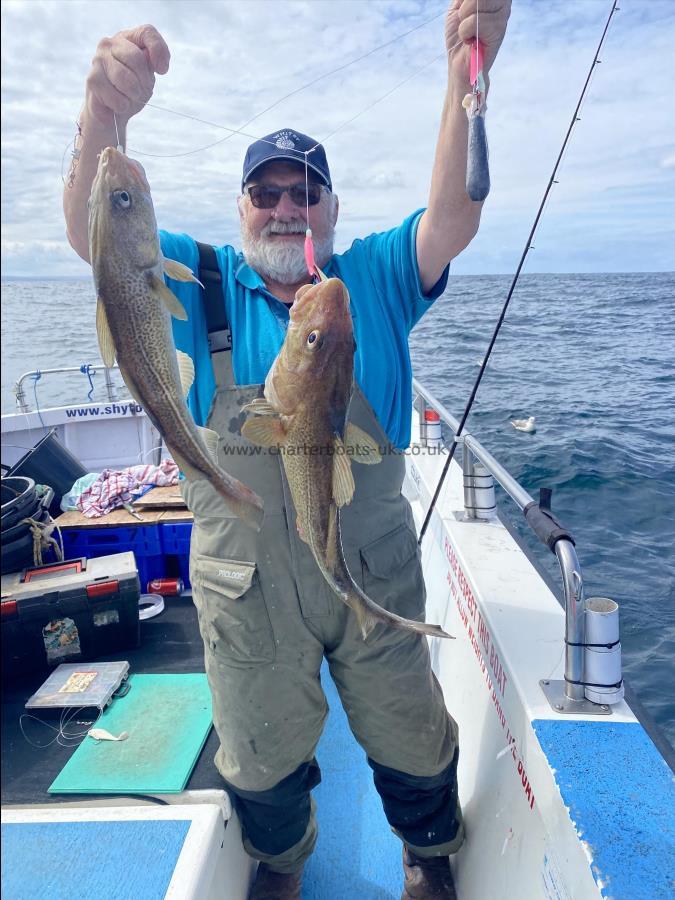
267	618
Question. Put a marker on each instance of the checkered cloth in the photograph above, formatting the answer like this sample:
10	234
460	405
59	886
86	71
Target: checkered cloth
113	489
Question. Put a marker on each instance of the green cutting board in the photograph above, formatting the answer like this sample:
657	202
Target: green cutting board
168	718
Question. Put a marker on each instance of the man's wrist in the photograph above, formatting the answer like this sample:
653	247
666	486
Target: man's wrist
96	131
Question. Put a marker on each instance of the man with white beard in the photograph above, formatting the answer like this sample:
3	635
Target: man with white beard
266	615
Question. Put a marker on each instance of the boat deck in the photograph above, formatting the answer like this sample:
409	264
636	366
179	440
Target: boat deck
356	855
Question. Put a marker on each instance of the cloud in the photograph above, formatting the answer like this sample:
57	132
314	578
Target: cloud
232	60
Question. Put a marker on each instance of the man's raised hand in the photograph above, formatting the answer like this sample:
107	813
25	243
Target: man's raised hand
122	76
467	19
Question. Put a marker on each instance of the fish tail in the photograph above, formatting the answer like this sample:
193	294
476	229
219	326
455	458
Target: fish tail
365	619
243	502
368	614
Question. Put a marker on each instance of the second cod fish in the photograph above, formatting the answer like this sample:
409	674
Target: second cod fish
307	394
133	322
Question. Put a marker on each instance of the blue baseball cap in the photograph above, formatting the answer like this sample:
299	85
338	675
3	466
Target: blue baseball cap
290	145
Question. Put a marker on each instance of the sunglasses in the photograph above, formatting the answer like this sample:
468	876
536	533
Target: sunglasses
267	196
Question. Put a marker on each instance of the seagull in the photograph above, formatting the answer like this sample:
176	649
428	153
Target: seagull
524	424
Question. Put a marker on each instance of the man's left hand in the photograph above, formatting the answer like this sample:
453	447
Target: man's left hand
464	23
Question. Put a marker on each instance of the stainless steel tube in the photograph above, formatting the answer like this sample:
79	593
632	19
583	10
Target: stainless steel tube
575	631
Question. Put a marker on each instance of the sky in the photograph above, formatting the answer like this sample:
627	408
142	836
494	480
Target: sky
613	210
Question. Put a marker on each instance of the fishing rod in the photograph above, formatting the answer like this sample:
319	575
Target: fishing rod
528	247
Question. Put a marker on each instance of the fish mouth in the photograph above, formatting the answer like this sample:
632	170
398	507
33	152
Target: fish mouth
118	165
324	306
331	291
334	291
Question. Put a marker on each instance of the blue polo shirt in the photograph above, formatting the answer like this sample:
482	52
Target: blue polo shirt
383	281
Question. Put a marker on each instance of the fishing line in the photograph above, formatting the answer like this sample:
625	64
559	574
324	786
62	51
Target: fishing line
140	456
389	92
117	135
62	737
309	243
281	99
254	137
528	247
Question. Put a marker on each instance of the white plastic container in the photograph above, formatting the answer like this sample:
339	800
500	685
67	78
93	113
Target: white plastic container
432	423
602	664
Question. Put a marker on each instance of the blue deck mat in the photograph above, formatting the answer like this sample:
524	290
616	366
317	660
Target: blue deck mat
621	797
356	856
90	860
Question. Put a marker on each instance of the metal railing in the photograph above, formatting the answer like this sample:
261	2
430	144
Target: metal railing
478	466
20	393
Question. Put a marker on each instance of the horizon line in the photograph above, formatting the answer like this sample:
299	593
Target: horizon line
456	275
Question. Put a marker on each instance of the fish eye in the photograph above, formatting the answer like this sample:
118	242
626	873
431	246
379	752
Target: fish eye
122	199
314	340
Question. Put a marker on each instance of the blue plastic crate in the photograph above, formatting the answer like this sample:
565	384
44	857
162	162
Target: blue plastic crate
176	548
143	540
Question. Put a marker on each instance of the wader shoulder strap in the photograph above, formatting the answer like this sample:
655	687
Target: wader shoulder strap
219	334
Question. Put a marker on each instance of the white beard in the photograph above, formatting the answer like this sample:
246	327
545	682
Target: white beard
284	263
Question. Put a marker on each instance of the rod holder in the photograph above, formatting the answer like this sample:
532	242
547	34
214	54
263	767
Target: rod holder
602	653
479	488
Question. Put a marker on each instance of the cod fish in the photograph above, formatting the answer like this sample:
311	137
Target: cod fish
133	322
303	414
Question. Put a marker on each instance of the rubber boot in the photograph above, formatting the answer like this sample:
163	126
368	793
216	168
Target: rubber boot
270	885
427	878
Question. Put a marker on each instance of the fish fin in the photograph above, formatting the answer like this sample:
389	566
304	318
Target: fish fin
260	407
186	468
263	430
243	502
105	339
210	438
361	447
172	302
271	394
322	275
179	272
343	480
366	621
186	370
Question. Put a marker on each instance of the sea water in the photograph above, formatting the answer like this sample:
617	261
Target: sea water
591	357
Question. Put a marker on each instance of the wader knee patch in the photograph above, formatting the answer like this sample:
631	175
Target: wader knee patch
423	810
275	820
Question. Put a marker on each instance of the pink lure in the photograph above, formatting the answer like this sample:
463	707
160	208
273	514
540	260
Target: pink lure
476	61
309	253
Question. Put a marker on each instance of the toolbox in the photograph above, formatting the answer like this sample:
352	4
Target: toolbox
79	609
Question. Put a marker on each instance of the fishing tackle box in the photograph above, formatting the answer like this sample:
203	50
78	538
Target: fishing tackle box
74	610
